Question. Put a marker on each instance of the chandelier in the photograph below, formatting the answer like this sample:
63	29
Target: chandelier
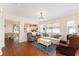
41	16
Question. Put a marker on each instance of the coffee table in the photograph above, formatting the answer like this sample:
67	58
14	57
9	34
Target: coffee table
55	40
44	41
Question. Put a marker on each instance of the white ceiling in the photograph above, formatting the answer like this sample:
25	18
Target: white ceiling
32	10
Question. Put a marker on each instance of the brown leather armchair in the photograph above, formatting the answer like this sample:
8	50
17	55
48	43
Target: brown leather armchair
70	48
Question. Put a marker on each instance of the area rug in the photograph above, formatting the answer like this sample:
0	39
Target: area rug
50	49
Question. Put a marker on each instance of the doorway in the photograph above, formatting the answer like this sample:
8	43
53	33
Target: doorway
12	30
16	30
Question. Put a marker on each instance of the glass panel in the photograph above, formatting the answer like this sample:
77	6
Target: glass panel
71	27
41	28
56	30
49	30
71	23
16	31
72	30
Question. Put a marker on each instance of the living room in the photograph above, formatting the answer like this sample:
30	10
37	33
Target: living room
45	28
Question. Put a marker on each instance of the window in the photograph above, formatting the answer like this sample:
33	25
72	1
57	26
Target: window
56	28
53	28
41	28
49	28
71	27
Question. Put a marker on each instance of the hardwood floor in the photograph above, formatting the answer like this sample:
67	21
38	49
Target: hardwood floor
21	49
25	49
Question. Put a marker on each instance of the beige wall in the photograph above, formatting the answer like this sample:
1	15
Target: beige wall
63	23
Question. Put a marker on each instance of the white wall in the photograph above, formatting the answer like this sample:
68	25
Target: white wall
22	34
1	32
78	19
18	18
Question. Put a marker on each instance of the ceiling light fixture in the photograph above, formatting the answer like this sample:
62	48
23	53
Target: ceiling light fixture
41	16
